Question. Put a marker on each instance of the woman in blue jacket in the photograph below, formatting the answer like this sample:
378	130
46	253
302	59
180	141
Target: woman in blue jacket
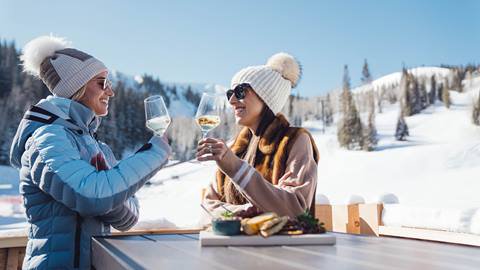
72	185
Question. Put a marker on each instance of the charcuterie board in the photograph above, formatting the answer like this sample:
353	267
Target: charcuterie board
208	238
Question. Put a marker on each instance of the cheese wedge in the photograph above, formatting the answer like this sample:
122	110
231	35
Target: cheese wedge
251	226
274	229
258	220
270	223
247	229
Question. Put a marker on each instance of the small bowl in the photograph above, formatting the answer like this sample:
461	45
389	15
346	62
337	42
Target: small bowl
226	227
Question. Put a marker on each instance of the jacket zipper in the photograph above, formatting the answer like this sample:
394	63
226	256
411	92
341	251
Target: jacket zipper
78	233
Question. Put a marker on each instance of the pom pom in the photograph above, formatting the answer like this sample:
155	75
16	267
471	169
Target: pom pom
38	50
287	66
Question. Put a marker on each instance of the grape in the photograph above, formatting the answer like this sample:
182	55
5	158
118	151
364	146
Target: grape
250	212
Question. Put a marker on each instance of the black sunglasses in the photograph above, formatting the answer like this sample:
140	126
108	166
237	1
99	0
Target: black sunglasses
106	83
240	91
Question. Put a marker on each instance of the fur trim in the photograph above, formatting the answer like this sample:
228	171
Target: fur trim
287	66
270	162
38	49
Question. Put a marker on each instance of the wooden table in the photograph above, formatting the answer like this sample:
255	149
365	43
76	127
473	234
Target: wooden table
183	251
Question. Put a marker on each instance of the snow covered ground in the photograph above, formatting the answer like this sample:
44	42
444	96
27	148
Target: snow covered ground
437	168
438	165
12	213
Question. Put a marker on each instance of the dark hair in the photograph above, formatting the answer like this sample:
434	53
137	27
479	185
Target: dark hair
231	193
266	117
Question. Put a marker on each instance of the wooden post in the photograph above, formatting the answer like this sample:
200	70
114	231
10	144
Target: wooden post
3	258
353	225
324	214
13	259
370	218
353	218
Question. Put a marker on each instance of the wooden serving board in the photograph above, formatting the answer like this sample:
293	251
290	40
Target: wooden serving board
210	239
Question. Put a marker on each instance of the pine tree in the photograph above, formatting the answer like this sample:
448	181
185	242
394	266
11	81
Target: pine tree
192	97
415	95
370	136
405	102
458	76
380	97
433	90
401	131
366	76
328	111
349	131
440	92
424	101
476	112
392	96
446	96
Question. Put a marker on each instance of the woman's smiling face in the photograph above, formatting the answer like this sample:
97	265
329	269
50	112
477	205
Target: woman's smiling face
96	97
247	110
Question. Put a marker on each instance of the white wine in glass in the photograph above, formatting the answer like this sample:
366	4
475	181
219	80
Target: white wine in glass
208	112
158	124
157	115
208	122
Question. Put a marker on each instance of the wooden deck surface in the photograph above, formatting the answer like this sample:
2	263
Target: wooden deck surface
183	251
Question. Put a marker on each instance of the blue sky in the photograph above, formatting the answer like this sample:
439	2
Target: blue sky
208	41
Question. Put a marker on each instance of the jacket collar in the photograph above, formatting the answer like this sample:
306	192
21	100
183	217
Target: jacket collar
268	139
72	111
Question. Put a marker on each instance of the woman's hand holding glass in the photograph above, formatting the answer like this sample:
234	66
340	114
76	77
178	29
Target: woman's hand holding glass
217	150
211	149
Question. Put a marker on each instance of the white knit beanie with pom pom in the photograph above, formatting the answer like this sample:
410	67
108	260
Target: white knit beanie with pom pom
272	82
64	70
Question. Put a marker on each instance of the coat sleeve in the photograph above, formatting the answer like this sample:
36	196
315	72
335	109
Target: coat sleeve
290	197
124	216
57	168
213	203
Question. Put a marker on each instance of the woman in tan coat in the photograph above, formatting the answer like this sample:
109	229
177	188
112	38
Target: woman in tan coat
271	165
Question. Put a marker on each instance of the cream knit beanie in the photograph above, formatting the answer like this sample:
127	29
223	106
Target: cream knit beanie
272	82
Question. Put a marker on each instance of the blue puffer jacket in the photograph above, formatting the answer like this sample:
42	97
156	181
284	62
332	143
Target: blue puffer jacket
67	199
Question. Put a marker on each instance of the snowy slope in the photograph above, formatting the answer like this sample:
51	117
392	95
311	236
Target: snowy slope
394	78
435	167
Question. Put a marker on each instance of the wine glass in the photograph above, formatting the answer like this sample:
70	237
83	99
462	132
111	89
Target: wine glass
156	114
208	112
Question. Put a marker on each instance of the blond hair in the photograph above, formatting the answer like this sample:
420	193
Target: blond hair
80	93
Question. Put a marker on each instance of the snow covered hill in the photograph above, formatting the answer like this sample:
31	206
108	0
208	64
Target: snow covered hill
394	78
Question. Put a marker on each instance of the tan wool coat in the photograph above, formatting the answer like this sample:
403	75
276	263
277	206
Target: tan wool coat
266	158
